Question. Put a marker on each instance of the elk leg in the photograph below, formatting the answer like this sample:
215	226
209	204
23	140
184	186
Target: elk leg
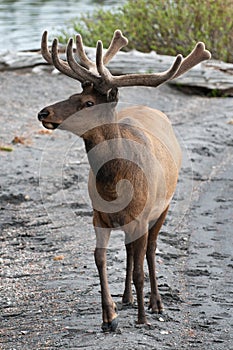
155	300
109	314
139	250
127	298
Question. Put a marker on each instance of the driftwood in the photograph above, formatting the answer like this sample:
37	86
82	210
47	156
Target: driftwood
210	75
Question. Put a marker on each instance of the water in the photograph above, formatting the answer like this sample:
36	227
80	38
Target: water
23	21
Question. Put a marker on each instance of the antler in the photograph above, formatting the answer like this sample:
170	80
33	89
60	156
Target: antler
179	67
100	76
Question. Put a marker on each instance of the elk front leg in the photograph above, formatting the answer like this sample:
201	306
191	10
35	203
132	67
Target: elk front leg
109	314
139	248
156	304
127	298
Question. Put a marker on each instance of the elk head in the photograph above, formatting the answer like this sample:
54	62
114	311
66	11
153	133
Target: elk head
52	116
97	81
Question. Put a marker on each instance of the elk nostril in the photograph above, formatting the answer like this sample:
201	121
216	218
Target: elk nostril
42	115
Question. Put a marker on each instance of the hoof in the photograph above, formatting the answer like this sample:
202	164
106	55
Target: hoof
156	309
110	326
158	312
127	305
127	300
146	325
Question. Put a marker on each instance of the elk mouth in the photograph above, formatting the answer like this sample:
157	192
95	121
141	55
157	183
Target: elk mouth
50	125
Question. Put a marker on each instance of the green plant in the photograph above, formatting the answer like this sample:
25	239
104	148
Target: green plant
165	26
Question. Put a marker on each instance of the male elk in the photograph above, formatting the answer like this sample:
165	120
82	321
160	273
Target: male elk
132	186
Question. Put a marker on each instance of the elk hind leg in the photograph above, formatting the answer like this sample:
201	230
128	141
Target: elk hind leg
127	298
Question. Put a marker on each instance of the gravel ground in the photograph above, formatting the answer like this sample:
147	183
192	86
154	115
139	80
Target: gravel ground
50	294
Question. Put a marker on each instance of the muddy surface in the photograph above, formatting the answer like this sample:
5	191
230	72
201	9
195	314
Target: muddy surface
50	295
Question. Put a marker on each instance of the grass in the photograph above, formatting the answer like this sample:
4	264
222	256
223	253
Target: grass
168	27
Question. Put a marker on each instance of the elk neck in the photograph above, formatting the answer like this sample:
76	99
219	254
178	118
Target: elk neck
103	146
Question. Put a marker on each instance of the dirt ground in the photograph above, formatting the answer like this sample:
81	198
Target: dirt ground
50	294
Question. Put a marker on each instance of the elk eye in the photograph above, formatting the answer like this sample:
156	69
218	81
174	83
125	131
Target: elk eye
89	104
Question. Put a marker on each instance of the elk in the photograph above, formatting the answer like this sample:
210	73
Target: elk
134	160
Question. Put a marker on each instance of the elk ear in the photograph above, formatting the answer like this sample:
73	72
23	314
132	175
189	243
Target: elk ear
112	95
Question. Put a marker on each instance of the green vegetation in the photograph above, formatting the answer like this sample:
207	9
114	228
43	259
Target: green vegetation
168	26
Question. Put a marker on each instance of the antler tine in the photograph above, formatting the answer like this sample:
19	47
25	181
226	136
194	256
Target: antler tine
44	48
198	55
53	59
105	82
102	70
118	41
62	66
81	72
99	57
85	61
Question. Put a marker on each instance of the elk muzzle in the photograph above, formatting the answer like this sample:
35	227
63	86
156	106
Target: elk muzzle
46	117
